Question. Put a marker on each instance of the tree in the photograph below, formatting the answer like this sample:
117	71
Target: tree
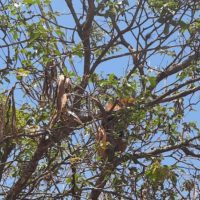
54	98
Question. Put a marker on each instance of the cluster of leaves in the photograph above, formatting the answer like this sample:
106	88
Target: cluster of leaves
63	160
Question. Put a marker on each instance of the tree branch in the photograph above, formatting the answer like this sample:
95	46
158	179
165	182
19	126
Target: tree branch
177	67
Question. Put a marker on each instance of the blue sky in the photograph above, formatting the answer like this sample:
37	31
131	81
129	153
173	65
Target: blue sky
117	66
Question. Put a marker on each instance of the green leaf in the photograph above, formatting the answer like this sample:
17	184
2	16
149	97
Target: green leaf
65	72
15	35
19	78
184	26
31	1
21	73
78	50
68	180
152	81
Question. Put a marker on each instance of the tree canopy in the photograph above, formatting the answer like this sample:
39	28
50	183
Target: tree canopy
95	97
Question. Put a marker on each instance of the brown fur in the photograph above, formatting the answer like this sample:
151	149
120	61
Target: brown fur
108	143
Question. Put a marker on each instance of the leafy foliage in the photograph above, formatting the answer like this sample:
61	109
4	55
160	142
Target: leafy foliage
139	57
